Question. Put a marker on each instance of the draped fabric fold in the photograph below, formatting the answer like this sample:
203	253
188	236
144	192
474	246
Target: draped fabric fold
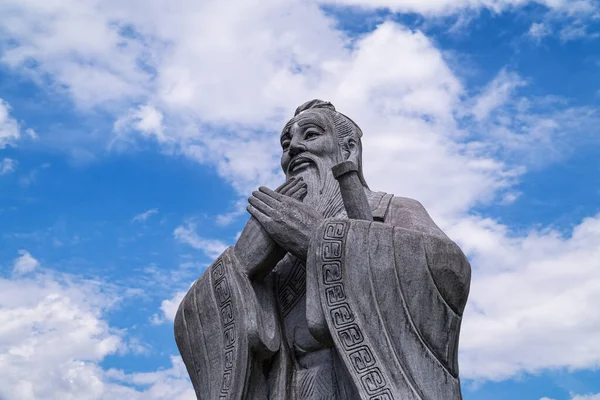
226	327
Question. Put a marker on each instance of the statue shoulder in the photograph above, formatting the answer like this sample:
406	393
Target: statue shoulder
447	263
407	203
410	214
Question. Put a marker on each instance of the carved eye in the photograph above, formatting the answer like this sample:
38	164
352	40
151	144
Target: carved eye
311	134
285	144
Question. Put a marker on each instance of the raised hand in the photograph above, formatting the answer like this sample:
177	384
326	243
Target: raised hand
288	221
256	251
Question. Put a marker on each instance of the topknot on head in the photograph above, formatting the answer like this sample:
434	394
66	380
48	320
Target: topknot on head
316	103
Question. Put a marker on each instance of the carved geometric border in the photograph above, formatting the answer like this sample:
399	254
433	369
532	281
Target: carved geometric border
222	290
354	345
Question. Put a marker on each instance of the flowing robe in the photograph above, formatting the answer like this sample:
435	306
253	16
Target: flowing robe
385	296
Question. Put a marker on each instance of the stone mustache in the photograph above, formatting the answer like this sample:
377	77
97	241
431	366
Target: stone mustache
332	291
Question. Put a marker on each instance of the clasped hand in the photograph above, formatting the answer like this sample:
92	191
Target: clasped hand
288	221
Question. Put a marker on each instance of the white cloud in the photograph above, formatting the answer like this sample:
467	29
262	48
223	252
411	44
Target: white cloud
533	301
7	165
10	131
510	198
168	309
146	119
539	30
167	384
169	306
228	217
53	336
187	234
25	263
145	215
587	397
80	44
406	113
31	133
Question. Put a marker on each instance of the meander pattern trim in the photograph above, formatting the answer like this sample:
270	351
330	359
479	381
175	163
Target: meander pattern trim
353	344
222	289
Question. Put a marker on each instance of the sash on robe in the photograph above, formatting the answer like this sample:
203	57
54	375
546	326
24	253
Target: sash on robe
371	291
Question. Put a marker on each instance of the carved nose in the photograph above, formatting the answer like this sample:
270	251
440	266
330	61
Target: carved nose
296	148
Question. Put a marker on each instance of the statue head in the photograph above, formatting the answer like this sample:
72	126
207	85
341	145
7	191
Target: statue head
319	130
317	138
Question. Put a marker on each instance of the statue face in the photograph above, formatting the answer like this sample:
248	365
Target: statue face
310	146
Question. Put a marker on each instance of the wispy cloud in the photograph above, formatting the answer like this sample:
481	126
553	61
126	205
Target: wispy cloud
577	30
586	397
31	177
10	131
145	215
526	131
25	263
229	217
449	7
539	30
496	94
146	119
187	234
7	165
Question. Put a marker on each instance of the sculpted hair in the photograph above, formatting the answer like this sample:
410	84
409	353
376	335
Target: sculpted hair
344	126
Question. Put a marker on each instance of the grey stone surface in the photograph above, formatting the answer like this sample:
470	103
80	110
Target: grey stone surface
333	291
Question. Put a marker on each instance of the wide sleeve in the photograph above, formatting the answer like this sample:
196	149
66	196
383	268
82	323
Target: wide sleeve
371	293
225	328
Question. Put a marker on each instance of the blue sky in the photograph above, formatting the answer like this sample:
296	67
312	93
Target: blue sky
130	137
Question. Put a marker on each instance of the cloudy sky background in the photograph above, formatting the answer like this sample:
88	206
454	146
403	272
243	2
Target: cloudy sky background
132	132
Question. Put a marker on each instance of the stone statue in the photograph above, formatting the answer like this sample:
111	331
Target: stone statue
332	291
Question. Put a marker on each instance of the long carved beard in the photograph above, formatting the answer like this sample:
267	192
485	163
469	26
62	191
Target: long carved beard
323	189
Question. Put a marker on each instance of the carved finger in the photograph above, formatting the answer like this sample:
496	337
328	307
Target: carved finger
289	187
271	202
286	185
298	184
261	218
261	205
271	193
296	189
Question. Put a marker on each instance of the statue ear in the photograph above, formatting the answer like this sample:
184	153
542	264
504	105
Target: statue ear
350	150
